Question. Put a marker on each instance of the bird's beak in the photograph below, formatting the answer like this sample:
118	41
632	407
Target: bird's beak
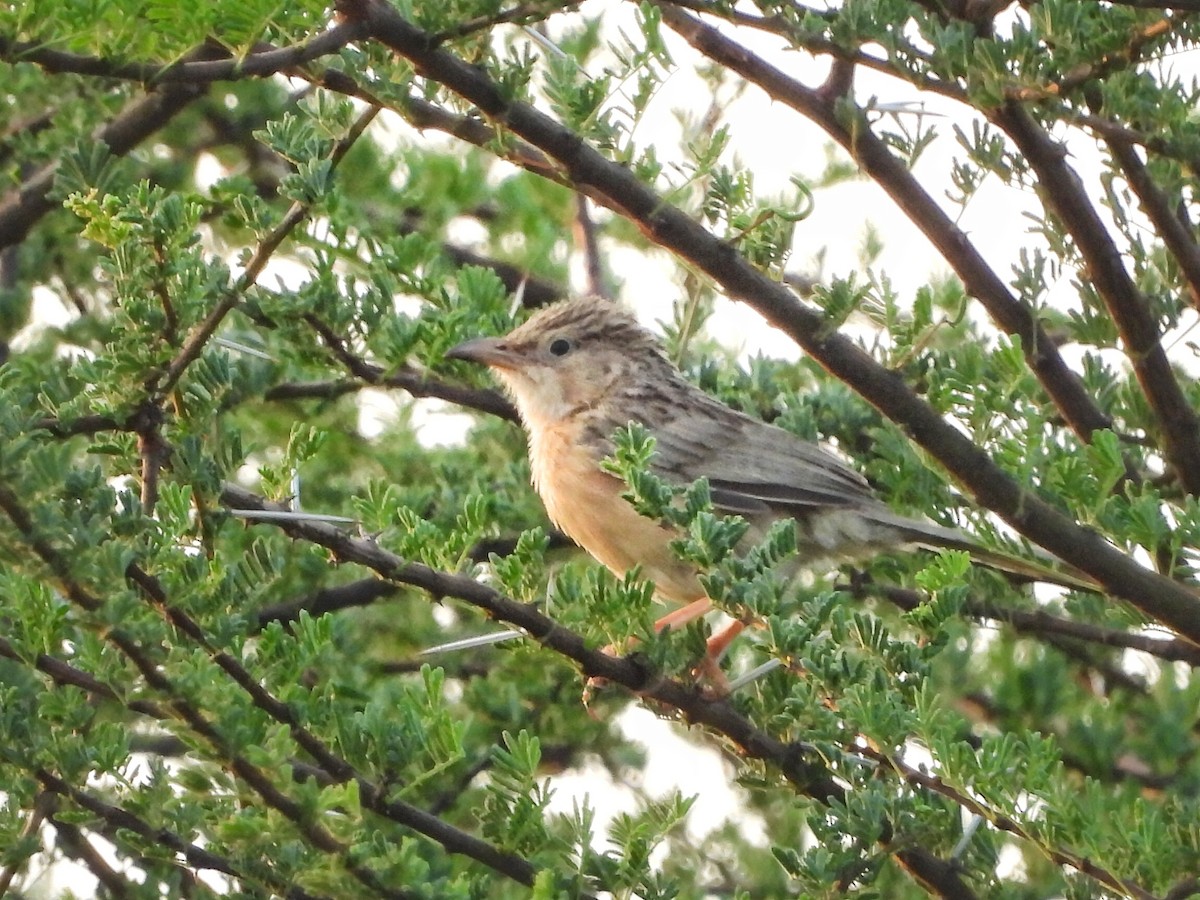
491	352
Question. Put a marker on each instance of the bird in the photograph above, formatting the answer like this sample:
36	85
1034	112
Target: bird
582	368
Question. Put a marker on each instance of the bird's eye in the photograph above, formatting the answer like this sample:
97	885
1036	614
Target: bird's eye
560	346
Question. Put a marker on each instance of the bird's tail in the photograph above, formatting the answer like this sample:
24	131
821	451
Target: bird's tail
1051	571
1047	569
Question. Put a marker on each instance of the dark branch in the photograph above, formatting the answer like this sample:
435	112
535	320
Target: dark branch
139	120
1177	236
534	291
519	15
1041	623
803	770
619	189
363	592
202	334
589	243
418	385
259	64
75	844
1064	193
366	591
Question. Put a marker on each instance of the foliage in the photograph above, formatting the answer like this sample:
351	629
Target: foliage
236	243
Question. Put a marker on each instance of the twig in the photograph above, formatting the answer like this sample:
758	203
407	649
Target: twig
134	124
295	215
585	230
521	14
1112	61
363	592
258	64
43	806
922	778
1063	193
802	770
1177	236
1040	623
407	379
75	844
621	190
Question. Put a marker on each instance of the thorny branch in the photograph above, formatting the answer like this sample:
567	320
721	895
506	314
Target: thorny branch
295	215
141	118
616	187
259	781
259	64
801	769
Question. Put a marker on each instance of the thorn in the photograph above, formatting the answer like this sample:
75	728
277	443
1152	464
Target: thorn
479	640
282	515
754	674
968	832
243	348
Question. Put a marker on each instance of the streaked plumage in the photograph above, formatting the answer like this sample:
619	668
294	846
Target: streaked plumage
581	369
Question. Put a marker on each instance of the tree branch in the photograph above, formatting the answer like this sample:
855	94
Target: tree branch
76	845
1064	194
619	189
1040	623
918	776
407	379
135	123
259	64
1177	237
201	335
362	592
804	771
521	14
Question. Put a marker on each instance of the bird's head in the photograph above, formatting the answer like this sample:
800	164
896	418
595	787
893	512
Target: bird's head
567	358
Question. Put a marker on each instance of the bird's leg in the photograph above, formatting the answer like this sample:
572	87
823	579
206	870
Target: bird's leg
676	618
720	642
685	615
709	668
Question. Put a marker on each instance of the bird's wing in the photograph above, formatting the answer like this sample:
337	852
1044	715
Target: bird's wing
753	468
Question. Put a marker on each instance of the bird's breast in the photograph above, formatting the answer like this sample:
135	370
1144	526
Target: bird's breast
586	503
